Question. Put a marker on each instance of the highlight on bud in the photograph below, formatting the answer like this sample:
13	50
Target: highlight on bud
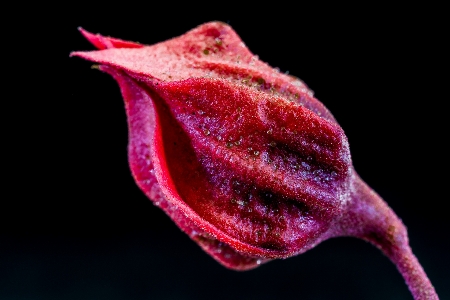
243	158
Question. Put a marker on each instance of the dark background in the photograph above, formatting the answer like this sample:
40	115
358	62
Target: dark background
79	228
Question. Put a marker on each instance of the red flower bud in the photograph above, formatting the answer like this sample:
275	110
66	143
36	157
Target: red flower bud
242	157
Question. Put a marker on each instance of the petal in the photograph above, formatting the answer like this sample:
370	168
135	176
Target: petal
141	123
243	151
211	50
103	42
216	160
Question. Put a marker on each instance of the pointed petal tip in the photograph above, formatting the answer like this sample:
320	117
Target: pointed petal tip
94	39
106	42
82	54
83	31
74	53
88	35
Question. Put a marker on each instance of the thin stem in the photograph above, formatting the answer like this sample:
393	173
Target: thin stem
370	218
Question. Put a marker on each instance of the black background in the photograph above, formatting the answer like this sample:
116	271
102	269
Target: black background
79	228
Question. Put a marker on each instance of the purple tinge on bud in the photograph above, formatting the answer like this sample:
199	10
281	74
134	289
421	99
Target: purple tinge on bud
242	157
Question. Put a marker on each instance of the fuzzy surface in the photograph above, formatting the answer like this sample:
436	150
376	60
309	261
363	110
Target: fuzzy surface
242	157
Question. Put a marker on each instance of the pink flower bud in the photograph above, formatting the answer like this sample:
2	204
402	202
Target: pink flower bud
242	157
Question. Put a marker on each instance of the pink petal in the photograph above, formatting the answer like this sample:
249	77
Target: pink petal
103	42
141	122
213	154
227	58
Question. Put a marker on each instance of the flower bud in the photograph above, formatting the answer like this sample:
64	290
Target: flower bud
242	157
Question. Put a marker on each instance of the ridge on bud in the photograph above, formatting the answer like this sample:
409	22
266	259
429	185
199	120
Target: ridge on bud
240	156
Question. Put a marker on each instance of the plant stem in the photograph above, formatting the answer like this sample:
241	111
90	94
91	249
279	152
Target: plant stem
368	217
